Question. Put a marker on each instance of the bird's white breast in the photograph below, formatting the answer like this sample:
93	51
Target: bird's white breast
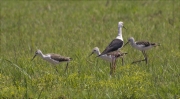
141	47
106	57
49	59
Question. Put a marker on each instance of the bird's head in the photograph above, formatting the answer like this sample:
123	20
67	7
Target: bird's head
131	39
95	50
120	24
38	52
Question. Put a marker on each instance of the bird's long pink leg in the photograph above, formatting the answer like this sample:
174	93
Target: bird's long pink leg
122	61
114	65
111	67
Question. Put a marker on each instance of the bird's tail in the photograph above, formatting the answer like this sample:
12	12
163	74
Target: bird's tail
121	54
70	58
125	53
156	44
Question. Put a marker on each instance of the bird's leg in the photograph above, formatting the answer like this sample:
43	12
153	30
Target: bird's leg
110	65
55	68
110	68
122	61
145	58
66	67
114	65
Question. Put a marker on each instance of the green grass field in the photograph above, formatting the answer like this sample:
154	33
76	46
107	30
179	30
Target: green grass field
74	28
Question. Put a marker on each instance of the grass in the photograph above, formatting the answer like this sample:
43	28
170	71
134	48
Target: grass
74	28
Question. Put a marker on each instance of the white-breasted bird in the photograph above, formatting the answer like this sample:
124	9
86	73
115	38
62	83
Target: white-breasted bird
111	57
53	58
115	44
142	46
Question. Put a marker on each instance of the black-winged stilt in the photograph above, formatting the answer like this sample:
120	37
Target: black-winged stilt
142	46
117	43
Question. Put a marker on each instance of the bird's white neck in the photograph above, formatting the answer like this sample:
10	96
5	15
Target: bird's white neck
41	54
102	56
119	36
98	52
133	43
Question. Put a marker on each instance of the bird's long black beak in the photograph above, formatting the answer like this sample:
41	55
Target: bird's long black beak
33	57
90	54
124	27
126	44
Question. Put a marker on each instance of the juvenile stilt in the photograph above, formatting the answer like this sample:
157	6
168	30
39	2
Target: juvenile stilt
111	57
53	58
142	46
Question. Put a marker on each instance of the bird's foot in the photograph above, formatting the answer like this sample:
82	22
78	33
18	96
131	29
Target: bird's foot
138	61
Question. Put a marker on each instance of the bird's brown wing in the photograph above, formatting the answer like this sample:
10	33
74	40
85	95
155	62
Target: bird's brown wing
117	54
145	43
60	58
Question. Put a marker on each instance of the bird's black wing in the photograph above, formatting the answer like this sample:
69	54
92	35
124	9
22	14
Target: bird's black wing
113	46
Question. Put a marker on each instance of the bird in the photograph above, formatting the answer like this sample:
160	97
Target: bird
117	43
142	46
53	58
111	57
